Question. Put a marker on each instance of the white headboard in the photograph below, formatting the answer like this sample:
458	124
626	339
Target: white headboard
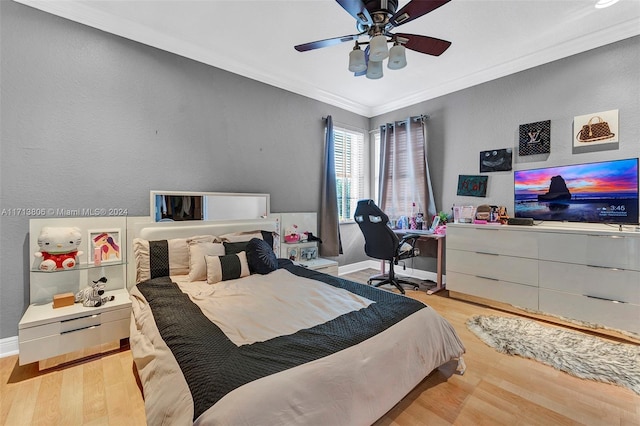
143	227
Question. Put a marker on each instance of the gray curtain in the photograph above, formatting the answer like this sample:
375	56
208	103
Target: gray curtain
329	223
405	184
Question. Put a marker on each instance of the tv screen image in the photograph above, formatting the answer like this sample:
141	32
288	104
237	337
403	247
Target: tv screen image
602	192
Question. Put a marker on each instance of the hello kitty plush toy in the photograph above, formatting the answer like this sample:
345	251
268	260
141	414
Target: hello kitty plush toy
58	248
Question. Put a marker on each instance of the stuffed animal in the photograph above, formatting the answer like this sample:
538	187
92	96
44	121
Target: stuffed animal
91	296
58	248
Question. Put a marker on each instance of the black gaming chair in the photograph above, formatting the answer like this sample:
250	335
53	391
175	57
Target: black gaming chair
380	242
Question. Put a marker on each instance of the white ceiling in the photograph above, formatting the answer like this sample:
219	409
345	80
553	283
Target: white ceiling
490	39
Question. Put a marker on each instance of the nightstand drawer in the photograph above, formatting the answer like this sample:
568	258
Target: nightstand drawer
50	346
68	325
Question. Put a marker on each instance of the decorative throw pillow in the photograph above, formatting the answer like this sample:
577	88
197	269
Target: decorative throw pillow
228	267
235	237
163	257
197	252
261	257
233	248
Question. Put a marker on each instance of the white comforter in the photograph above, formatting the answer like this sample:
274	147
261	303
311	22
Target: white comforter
354	386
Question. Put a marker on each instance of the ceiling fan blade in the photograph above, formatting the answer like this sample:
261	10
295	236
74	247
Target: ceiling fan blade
415	9
423	44
357	10
325	43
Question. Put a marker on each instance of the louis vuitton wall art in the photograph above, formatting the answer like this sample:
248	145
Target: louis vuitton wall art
595	128
535	138
495	160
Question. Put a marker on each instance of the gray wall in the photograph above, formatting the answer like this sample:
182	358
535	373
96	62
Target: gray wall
487	116
91	120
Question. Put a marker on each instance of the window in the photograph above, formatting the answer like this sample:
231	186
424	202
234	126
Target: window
350	170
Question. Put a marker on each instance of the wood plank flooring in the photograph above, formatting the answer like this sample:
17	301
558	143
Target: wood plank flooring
496	389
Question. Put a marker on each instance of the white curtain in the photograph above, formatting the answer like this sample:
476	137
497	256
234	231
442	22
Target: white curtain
405	184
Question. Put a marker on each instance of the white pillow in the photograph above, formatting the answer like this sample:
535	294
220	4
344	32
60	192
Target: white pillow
177	253
197	252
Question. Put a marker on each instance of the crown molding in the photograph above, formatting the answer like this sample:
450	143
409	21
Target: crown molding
591	41
79	12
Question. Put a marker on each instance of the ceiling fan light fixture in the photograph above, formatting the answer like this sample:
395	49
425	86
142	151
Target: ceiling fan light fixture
374	70
397	57
378	49
356	60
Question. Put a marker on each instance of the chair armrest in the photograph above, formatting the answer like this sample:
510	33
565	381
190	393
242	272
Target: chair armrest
409	238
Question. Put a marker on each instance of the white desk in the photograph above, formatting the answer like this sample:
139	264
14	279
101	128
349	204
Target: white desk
424	235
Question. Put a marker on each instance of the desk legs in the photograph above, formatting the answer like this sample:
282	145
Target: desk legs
438	286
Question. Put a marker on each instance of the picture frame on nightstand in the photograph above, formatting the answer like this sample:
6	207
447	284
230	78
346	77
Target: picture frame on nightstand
293	253
106	245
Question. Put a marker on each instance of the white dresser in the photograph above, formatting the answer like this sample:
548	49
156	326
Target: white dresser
584	274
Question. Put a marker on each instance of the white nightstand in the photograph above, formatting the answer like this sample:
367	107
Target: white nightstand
53	336
321	265
45	332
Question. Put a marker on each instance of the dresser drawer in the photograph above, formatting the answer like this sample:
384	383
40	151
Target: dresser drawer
613	284
493	239
493	266
621	316
608	250
47	347
518	295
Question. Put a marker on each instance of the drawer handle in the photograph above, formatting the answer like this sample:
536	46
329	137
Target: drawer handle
604	298
488	254
80	329
487	278
606	236
77	318
606	267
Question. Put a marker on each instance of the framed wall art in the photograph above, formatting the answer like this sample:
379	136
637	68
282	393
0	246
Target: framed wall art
535	138
495	160
595	128
474	186
104	246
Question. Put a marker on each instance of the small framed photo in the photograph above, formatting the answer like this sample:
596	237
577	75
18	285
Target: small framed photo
105	246
293	253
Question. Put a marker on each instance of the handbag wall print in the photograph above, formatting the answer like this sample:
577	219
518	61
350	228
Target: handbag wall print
595	128
535	138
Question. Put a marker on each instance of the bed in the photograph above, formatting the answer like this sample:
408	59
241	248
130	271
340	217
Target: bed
254	342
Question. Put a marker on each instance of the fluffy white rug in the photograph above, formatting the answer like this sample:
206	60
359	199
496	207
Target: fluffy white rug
576	353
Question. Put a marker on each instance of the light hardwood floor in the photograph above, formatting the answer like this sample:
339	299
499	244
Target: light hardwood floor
496	389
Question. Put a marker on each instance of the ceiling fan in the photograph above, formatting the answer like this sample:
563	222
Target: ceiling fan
376	19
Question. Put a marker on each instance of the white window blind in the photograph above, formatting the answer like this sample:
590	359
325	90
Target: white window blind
350	170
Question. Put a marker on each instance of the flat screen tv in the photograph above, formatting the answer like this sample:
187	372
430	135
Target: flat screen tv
602	192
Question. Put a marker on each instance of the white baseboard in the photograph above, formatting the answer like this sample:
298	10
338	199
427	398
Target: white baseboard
8	346
375	264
